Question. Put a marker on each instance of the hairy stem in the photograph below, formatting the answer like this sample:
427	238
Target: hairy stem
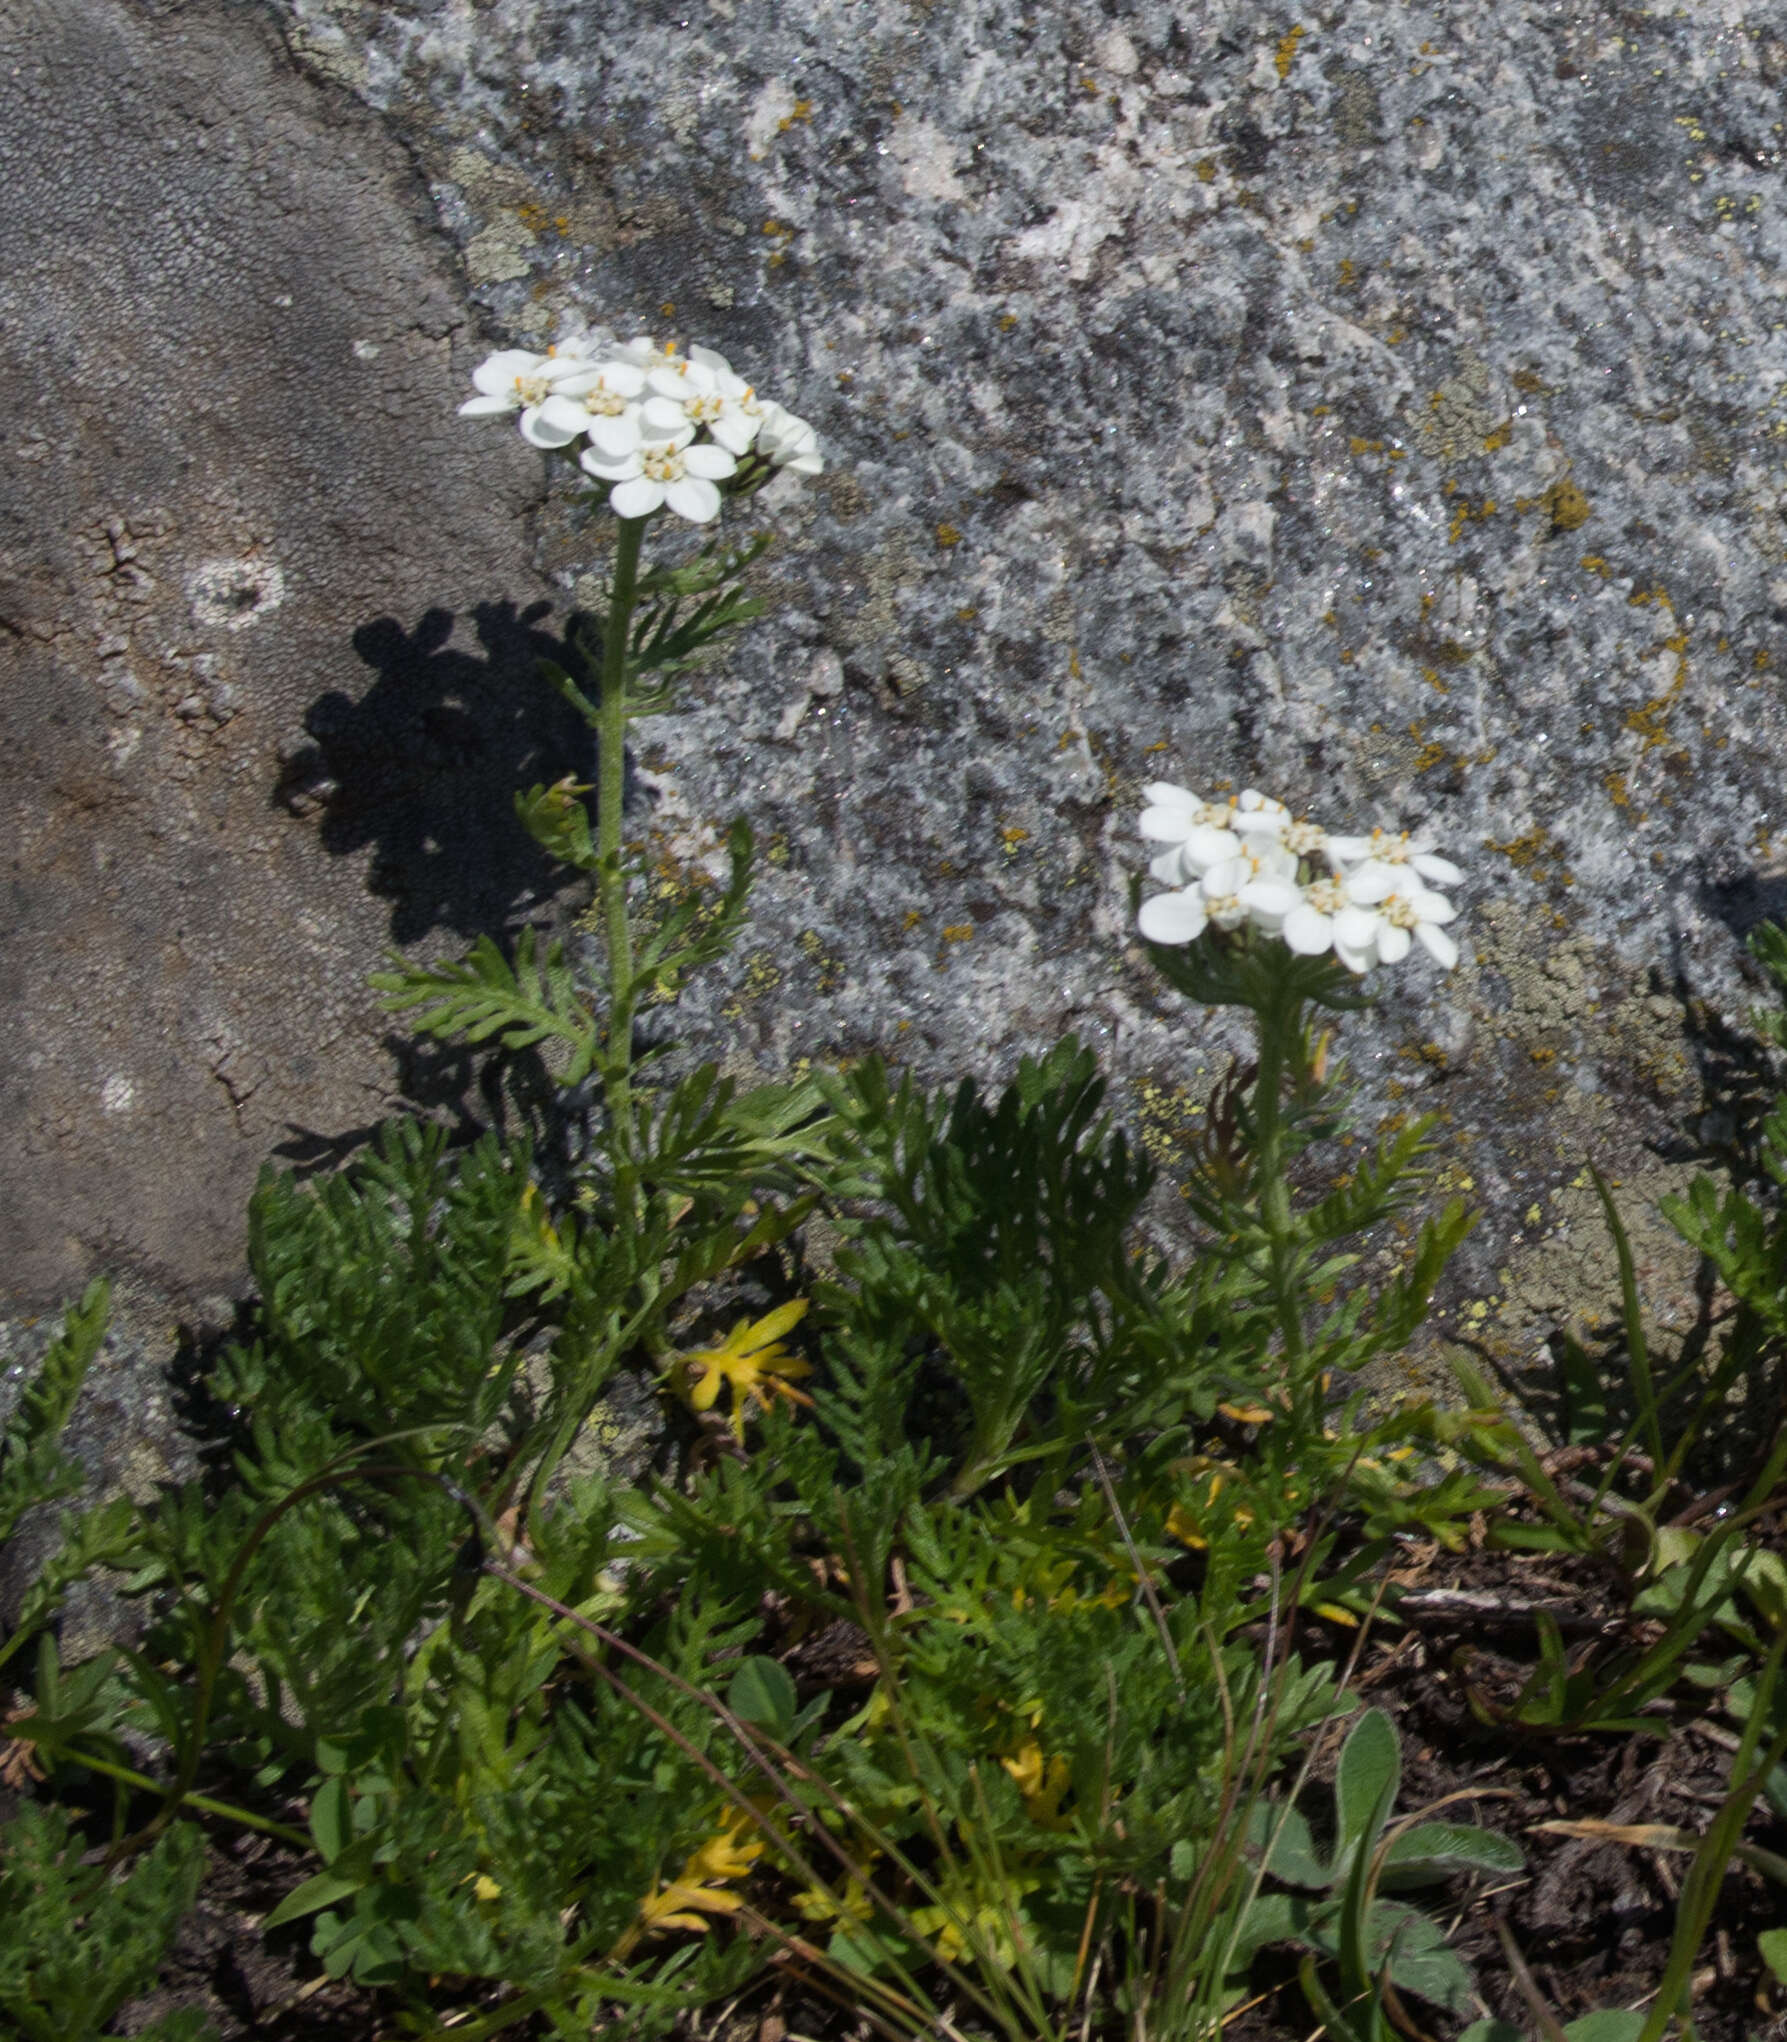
1280	1026
611	878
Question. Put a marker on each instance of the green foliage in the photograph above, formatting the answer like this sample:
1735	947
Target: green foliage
666	636
930	1659
484	997
34	1470
80	1941
1338	1911
33	1467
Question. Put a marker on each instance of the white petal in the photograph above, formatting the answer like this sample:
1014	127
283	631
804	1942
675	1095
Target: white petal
496	373
544	432
1392	943
1437	944
735	430
1440	870
1347	848
1357	928
1206	847
1167	823
1170	869
712	464
614	439
657	437
1173	917
1224	875
485	407
1164	794
621	468
1357	962
637	498
1372	882
561	415
709	360
693	497
1307	932
663	418
1433	907
1271	897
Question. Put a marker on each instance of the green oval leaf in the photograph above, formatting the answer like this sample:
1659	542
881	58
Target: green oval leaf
762	1693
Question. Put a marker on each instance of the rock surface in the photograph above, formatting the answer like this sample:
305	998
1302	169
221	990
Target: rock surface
1384	407
235	505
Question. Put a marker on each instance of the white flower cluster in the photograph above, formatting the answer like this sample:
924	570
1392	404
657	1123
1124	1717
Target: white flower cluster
663	428
1250	861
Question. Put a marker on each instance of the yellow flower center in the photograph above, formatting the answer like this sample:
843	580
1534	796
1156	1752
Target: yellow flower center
1399	913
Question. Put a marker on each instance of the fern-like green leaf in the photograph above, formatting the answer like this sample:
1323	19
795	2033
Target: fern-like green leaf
33	1467
533	1000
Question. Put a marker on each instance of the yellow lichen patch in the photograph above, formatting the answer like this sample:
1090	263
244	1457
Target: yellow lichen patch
1617	791
1594	564
958	932
803	111
1538	854
831	970
1495	440
1204	169
1164	1120
1464	515
1286	53
947	535
1566	506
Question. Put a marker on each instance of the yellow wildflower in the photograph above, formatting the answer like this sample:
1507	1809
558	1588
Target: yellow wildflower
699	1890
751	1361
1041	1782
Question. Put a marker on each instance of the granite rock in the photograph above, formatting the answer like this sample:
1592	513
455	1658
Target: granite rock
267	621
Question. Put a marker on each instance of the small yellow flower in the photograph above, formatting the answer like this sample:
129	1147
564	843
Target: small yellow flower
1041	1783
699	1890
750	1361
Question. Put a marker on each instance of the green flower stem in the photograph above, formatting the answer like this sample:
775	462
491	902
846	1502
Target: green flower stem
611	878
49	1739
1280	1028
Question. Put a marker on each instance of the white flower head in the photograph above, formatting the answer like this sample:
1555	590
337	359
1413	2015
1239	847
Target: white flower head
513	379
1388	859
789	442
1242	861
703	389
1198	834
1314	926
1243	889
663	472
1386	926
602	399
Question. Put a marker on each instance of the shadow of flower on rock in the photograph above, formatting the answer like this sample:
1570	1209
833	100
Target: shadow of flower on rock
424	768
